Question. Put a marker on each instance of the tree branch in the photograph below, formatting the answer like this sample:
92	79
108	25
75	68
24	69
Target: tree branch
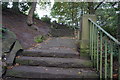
99	5
114	4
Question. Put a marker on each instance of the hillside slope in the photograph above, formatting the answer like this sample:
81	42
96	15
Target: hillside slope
16	22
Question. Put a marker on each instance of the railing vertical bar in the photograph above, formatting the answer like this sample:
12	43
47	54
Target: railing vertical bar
100	50
111	61
95	28
90	36
106	45
92	41
97	51
101	34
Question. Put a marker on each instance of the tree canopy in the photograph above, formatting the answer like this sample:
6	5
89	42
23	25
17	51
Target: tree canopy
69	13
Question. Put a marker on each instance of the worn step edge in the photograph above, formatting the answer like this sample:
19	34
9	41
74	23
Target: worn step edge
54	62
48	53
49	72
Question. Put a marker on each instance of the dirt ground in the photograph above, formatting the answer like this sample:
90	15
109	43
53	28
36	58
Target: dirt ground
16	22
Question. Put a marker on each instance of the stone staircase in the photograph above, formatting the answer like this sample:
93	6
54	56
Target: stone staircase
51	64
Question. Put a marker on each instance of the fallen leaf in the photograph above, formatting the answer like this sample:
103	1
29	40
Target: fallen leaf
9	67
115	75
18	57
79	72
17	64
46	69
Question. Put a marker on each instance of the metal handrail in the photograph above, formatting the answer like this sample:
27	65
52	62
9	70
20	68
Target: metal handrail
110	36
103	47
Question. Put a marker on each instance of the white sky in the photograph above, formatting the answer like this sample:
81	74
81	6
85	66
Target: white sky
46	11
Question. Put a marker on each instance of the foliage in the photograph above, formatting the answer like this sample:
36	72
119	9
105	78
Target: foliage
69	12
39	38
24	6
66	12
2	30
4	5
36	16
46	19
107	17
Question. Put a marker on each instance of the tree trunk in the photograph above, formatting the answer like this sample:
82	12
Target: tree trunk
91	9
30	14
15	6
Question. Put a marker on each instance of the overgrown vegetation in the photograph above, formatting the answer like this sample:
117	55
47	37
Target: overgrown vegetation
46	19
39	38
2	30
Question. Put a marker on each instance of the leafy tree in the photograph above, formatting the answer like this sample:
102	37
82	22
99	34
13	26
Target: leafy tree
66	12
107	17
70	12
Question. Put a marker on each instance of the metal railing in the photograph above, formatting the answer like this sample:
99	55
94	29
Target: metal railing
104	52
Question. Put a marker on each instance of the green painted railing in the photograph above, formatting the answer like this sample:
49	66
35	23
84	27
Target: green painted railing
104	52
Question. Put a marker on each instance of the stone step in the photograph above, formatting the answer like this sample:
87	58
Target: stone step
51	53
54	62
50	72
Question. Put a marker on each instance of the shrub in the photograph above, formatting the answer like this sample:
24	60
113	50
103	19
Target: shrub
46	19
39	38
36	16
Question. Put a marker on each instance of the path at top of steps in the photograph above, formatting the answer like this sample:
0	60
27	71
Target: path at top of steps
56	43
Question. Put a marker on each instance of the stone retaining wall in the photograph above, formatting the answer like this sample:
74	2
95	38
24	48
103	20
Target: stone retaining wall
62	32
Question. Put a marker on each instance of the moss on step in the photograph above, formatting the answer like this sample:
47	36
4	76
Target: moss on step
22	61
12	73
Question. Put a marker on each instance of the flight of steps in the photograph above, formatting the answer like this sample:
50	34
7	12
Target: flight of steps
36	64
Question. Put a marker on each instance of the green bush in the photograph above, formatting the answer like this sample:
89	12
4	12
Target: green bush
46	19
39	39
4	5
2	30
36	16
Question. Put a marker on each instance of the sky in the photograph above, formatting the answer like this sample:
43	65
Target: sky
46	11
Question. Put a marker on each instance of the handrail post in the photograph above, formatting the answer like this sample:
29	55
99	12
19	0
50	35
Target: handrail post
85	36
